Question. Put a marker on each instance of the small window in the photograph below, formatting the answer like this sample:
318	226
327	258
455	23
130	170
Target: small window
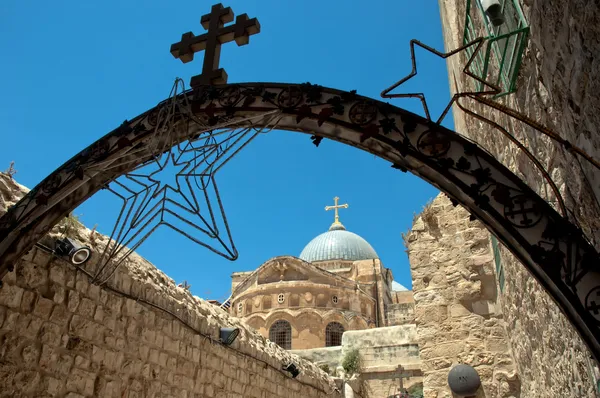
334	299
280	298
240	307
333	334
280	333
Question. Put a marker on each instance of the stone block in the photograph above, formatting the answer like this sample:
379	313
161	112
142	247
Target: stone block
29	326
82	283
31	355
43	307
431	314
60	315
82	362
60	293
52	361
27	380
458	310
57	274
497	345
53	386
86	308
484	307
94	292
81	381
27	301
50	334
10	296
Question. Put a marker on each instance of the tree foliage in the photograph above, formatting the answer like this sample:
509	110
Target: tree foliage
351	361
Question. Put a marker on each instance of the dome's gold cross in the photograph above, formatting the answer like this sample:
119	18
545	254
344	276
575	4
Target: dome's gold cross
336	207
217	34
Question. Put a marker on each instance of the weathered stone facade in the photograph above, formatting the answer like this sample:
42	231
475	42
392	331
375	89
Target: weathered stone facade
558	85
294	303
309	296
381	351
137	336
456	303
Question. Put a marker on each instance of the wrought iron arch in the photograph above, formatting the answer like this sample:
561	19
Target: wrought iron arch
333	334
280	333
550	247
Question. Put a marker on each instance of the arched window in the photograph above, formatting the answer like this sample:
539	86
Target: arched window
280	333
333	334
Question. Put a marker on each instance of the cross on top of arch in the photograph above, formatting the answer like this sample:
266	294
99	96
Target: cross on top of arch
210	42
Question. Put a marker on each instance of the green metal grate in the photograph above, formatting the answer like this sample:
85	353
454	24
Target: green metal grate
498	261
501	58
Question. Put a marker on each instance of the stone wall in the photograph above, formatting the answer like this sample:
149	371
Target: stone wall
456	308
381	351
138	336
401	310
551	358
558	86
330	356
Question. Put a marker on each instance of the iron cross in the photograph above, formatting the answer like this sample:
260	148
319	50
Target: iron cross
336	207
210	42
402	375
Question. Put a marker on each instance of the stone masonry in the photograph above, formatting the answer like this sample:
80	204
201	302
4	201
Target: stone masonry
558	85
456	303
137	336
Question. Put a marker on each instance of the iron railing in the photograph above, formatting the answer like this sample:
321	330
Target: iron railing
503	54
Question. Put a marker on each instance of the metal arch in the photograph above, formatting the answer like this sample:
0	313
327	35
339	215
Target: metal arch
553	250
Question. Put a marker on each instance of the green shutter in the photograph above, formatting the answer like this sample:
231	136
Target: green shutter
498	261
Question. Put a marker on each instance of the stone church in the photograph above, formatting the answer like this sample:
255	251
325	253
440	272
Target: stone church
336	284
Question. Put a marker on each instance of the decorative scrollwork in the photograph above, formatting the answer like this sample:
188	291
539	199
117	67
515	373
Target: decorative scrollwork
433	144
290	97
363	113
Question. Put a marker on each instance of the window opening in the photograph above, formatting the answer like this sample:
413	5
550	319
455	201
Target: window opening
333	334
280	333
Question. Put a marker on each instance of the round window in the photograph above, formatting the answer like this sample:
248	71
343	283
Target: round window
334	299
240	307
280	298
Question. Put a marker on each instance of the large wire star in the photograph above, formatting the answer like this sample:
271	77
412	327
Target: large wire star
478	43
190	205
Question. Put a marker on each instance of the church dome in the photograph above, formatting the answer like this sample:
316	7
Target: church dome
338	244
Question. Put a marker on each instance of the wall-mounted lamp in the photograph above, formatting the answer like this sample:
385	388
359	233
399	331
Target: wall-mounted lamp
493	9
464	380
228	335
77	253
292	369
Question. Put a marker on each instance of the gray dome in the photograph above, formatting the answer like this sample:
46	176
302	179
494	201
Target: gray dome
338	244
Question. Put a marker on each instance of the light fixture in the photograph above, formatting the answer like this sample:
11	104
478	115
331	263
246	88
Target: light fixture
292	369
493	9
228	335
77	253
464	380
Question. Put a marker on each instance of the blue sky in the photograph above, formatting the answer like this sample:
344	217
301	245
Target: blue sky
74	70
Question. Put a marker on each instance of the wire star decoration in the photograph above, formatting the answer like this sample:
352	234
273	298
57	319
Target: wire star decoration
477	43
481	96
187	201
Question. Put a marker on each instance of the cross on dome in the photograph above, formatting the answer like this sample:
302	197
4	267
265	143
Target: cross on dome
336	223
